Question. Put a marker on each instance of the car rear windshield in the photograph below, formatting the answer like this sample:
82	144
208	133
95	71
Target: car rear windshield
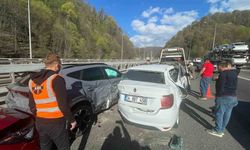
145	76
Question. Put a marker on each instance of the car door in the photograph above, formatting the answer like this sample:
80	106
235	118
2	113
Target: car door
182	77
114	77
175	77
96	86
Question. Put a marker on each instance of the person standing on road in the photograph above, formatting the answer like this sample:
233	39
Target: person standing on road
48	102
206	78
191	70
226	99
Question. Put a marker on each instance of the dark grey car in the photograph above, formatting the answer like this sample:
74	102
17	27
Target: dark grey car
91	88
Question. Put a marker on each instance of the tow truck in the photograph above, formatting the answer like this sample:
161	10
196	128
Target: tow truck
176	56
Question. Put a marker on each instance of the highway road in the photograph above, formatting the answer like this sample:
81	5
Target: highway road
111	133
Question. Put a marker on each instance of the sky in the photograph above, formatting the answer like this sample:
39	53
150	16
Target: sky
153	22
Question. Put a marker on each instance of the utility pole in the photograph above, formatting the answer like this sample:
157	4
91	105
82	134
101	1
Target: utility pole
122	49
214	34
29	29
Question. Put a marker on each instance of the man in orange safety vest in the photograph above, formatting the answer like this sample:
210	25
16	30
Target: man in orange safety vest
48	102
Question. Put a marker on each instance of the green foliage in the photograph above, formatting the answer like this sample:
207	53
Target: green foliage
198	37
69	27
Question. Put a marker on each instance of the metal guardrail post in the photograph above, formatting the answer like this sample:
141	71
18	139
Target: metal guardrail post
12	74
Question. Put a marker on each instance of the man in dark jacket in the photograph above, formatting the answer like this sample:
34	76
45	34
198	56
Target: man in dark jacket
226	99
48	102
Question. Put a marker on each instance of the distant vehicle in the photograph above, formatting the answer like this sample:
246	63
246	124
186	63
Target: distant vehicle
221	48
17	130
173	56
151	95
197	63
237	53
197	60
239	60
91	88
238	47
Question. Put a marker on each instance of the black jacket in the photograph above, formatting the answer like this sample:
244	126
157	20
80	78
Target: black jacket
59	87
226	84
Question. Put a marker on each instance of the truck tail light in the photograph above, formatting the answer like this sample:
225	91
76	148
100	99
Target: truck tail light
167	101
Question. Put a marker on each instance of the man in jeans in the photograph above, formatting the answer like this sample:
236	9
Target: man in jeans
226	99
206	77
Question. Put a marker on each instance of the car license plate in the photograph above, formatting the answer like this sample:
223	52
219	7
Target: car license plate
136	99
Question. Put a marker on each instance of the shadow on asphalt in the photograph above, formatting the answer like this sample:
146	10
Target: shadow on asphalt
188	107
116	140
241	113
85	135
194	93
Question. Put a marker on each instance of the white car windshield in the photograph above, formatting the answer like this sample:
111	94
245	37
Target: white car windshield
145	76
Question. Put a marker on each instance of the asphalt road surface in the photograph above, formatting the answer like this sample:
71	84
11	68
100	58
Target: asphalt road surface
111	133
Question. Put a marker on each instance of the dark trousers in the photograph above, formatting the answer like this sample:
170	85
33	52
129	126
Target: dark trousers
53	132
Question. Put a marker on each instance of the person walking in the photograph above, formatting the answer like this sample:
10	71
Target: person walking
206	78
226	99
48	102
191	70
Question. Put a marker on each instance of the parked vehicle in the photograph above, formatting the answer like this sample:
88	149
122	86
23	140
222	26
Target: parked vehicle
151	95
237	53
176	56
238	47
17	130
91	88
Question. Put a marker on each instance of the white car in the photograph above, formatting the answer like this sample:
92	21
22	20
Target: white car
151	95
238	47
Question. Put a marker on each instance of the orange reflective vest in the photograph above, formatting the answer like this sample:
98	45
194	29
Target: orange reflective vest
45	99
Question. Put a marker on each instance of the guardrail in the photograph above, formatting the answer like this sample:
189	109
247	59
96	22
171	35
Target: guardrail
10	65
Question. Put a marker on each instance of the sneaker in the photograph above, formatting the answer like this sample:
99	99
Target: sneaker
215	133
203	98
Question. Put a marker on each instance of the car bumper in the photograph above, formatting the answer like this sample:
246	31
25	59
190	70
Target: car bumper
163	120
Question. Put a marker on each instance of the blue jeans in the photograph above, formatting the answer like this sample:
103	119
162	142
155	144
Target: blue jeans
205	81
223	109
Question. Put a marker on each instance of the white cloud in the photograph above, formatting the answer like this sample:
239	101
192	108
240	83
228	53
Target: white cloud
150	11
213	1
168	10
228	5
157	30
179	18
153	19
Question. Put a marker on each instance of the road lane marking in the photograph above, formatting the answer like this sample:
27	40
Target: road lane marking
244	78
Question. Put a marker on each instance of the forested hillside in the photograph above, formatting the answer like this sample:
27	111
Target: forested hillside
70	27
198	37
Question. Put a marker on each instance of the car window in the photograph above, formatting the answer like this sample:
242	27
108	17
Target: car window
92	74
145	76
174	74
76	75
112	73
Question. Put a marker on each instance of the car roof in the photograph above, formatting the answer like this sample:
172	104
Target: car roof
66	66
153	67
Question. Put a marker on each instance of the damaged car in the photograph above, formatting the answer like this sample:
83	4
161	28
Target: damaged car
91	88
17	130
150	95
